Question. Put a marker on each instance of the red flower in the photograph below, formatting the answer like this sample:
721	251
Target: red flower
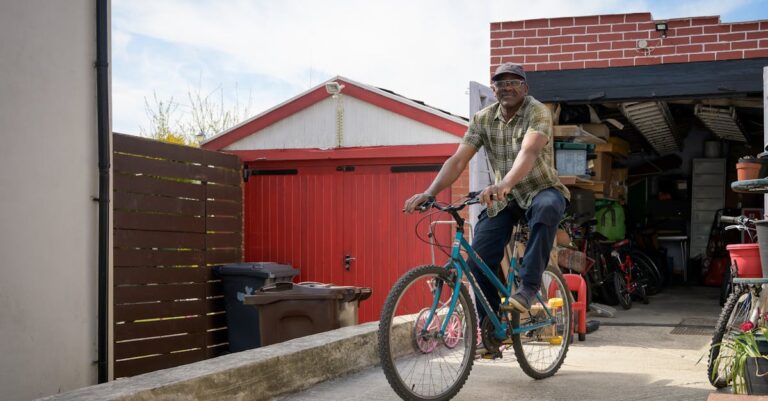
747	326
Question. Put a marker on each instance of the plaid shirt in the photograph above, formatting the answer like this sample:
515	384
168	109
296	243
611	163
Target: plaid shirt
503	141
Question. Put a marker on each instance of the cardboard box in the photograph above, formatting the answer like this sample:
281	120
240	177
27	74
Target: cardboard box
601	166
617	188
615	145
599	130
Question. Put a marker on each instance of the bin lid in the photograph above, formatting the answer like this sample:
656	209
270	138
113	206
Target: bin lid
290	291
256	269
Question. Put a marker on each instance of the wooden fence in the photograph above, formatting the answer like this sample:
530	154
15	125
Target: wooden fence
177	213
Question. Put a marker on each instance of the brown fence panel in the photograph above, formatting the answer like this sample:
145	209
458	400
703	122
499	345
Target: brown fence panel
177	213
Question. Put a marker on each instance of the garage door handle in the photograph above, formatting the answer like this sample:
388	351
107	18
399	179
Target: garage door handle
348	261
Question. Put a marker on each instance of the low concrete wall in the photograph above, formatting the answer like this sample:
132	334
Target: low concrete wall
258	374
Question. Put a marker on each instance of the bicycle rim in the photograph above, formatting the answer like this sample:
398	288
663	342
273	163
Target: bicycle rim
735	312
418	362
541	352
622	292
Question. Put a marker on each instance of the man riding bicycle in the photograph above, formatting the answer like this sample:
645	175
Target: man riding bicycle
516	132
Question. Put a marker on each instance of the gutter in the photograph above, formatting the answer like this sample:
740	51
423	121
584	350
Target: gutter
103	117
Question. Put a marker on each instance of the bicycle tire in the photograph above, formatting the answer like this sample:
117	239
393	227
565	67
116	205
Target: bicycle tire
402	344
729	320
539	338
651	271
622	292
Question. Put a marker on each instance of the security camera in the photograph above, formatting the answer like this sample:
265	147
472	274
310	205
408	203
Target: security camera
333	88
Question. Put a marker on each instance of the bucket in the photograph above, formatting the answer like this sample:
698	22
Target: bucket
746	258
762	240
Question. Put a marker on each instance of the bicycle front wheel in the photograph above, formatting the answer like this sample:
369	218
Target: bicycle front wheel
419	362
541	351
735	312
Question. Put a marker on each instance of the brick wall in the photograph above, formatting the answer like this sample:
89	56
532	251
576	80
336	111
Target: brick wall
602	41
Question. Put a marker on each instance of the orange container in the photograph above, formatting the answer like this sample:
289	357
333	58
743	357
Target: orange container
746	258
748	171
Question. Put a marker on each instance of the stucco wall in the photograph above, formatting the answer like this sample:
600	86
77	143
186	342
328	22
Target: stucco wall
48	176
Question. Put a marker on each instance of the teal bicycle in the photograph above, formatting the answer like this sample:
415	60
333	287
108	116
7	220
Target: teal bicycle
428	332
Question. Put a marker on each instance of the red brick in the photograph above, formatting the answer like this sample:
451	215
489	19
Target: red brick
609	37
513	42
622	62
717	47
757	35
701	57
705	20
585	38
612	19
525	33
689	49
503	51
663	50
525	50
572	65
729	55
557	40
536	23
536	41
695	30
637	35
763	25
561	57
495	26
574	30
598	28
495	43
585	56
513	25
681	58
634	53
536	59
763	44
623	27
647	60
750	26
574	48
646	26
678	23
566	21
611	54
749	44
624	44
502	34
725	28
592	20
704	38
756	53
495	61
683	40
550	49
548	32
637	17
598	46
512	59
548	66
732	37
597	64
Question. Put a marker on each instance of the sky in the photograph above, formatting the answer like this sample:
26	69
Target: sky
256	54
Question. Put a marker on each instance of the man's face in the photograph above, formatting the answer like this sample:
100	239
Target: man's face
509	90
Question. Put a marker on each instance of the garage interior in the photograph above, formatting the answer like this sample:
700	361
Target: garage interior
670	119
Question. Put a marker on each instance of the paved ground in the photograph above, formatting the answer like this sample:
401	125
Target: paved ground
633	356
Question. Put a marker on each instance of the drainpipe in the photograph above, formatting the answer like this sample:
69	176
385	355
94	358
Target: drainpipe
103	117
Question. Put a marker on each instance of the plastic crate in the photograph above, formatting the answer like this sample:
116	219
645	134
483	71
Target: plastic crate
571	158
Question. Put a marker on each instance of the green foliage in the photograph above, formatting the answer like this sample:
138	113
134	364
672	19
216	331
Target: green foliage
742	346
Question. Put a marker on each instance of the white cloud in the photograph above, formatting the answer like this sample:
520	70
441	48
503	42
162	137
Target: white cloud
428	50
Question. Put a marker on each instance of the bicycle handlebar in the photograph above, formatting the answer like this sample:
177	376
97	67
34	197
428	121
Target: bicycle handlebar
740	220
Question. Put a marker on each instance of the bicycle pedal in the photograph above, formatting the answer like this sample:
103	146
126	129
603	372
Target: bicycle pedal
491	355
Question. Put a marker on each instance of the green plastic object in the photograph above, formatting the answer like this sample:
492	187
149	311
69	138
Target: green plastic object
611	221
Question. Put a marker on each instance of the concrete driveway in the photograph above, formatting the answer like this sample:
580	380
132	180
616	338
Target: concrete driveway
633	356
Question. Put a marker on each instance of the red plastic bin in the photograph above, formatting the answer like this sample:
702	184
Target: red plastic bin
746	258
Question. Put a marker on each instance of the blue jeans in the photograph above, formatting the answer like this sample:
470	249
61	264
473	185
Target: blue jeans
493	233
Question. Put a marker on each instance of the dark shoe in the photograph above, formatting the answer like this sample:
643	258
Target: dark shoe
520	302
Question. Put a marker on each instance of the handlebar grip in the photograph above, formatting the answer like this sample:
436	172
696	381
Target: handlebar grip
730	219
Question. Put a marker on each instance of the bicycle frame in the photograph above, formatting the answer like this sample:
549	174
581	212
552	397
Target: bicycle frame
461	267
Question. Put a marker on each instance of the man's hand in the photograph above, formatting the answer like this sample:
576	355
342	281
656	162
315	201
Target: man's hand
415	201
493	193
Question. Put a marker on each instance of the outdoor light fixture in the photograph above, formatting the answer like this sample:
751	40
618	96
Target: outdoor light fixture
662	27
333	88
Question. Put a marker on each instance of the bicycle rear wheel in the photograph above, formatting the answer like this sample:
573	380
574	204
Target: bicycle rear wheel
735	312
540	352
621	289
419	363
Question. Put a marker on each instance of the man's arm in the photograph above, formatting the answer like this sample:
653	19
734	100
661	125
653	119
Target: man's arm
451	170
533	144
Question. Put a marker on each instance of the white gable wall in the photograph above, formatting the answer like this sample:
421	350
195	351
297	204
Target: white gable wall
364	124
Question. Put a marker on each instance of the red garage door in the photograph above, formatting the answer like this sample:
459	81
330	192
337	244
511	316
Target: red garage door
340	222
